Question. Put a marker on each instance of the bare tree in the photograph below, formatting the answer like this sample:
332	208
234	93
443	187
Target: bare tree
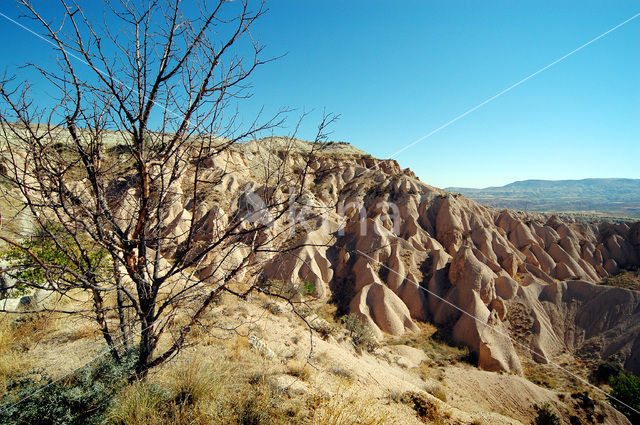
141	124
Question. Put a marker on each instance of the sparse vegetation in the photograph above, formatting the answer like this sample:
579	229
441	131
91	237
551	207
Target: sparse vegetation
236	389
289	290
437	346
273	308
324	328
360	332
341	372
426	410
627	279
541	376
545	415
346	408
15	337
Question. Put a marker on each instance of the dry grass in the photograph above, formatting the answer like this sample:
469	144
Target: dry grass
347	408
541	376
139	404
225	382
231	389
341	372
87	330
16	336
236	388
299	369
199	393
11	360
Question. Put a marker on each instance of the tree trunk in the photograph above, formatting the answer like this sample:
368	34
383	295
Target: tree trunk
147	336
98	303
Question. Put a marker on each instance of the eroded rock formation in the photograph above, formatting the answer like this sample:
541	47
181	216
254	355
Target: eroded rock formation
395	250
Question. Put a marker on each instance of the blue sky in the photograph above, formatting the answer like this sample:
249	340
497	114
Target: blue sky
396	71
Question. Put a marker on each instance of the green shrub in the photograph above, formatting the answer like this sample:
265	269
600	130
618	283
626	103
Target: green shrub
45	245
546	416
309	287
606	371
360	332
81	398
625	395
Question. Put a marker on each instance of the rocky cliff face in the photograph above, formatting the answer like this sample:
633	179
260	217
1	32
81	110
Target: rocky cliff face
395	251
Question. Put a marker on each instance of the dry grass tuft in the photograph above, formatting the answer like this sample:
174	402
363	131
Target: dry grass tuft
16	336
194	381
11	361
140	404
436	390
301	370
346	408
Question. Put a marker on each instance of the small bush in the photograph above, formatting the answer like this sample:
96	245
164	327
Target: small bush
187	394
81	398
625	391
542	379
273	308
439	346
288	290
193	382
425	409
546	416
309	287
606	371
360	332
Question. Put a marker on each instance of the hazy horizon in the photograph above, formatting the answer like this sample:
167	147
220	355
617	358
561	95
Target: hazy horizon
545	180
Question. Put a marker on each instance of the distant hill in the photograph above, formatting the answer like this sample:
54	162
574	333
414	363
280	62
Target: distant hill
598	197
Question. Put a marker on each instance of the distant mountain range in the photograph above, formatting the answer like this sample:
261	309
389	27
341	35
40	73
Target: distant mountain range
594	197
